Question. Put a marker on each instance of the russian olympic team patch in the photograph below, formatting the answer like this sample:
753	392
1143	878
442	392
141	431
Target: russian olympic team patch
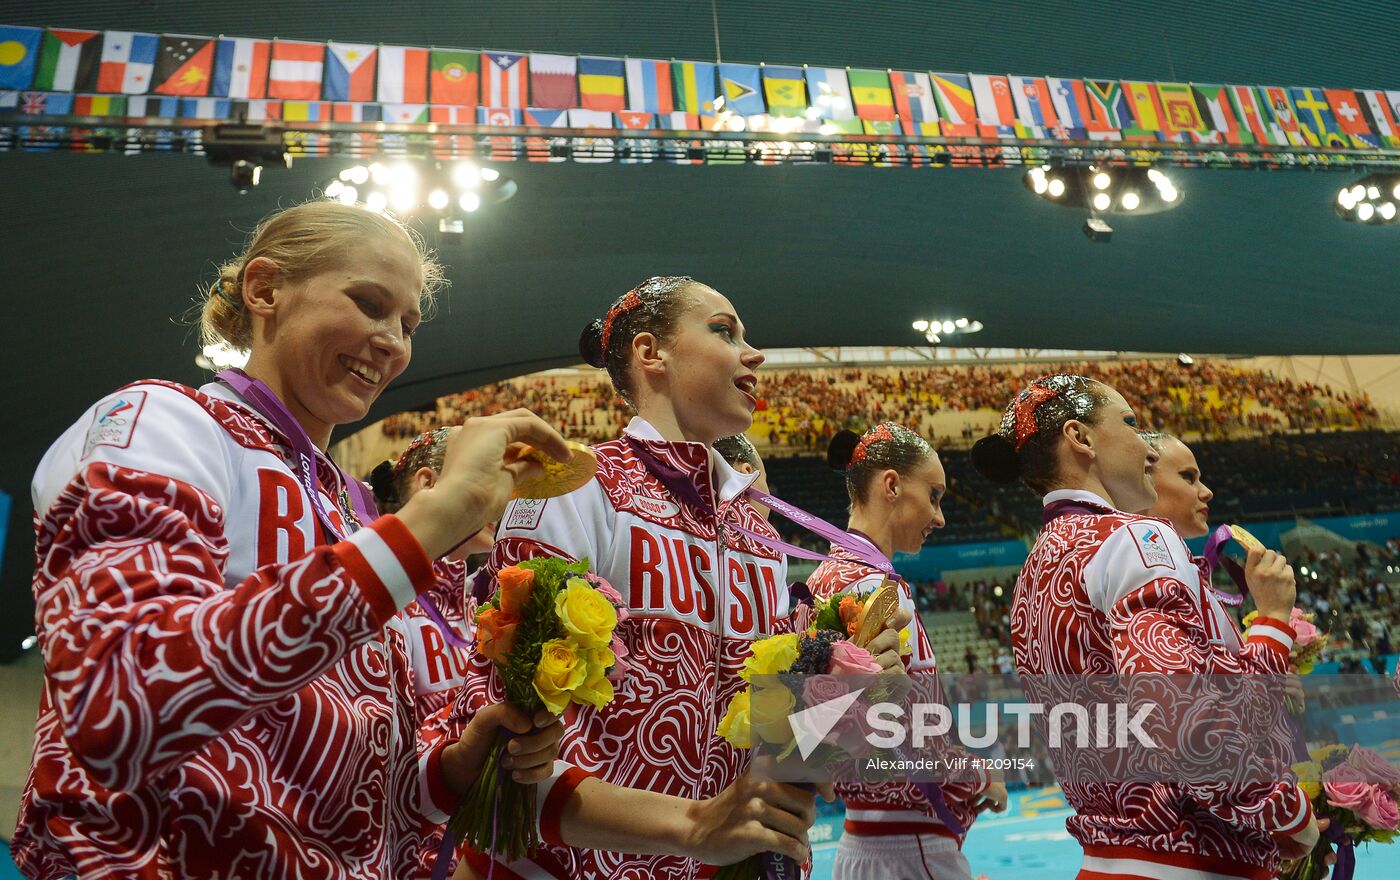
1151	543
525	513
114	421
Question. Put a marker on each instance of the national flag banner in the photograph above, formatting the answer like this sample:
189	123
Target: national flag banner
454	77
205	108
240	68
679	120
545	117
785	90
503	116
99	105
870	90
1218	113
350	69
1149	120
127	63
256	110
1315	119
404	114
68	61
831	93
914	102
1247	103
451	114
504	79
683	152
1180	108
633	120
632	151
403	75
696	87
1346	107
45	103
956	106
343	111
148	107
19	55
553	81
1034	107
649	86
184	66
1071	105
294	70
1382	116
589	149
306	111
9	102
996	111
1279	116
1109	114
590	119
540	149
741	87
602	83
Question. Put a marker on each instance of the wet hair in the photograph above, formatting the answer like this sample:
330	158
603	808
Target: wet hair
391	480
1024	444
1155	439
304	240
737	448
886	446
655	306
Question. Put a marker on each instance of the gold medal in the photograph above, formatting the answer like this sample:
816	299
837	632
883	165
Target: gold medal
558	477
879	608
1245	539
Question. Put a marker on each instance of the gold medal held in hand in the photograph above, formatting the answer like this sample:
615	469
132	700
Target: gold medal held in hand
879	608
557	477
1245	539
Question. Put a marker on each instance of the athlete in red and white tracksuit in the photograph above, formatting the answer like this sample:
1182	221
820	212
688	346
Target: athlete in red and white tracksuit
892	809
1117	593
696	598
226	693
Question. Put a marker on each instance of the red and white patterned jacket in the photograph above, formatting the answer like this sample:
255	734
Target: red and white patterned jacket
695	599
226	694
1118	593
895	808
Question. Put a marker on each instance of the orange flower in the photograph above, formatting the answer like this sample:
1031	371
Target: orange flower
849	609
516	584
495	633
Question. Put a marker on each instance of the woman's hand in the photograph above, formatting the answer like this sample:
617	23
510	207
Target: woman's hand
752	815
885	646
529	755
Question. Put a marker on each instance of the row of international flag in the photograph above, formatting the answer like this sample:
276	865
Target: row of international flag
52	71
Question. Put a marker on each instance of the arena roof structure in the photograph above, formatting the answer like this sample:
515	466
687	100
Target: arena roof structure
104	253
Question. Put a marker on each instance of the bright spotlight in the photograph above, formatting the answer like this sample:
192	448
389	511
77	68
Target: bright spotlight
380	173
437	199
1102	180
1101	201
1056	188
1039	184
333	188
921	326
359	175
949	327
404	174
1387	210
812	112
469	202
1373	192
1156	176
826	128
490	174
1396	192
348	195
961	323
1345	200
1168	194
1130	201
376	202
466	175
401	198
1364	211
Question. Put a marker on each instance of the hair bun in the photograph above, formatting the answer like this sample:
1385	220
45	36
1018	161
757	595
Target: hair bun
381	481
590	344
840	450
996	459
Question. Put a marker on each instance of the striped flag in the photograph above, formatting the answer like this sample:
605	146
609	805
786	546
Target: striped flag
870	89
1246	103
205	108
649	86
257	110
99	105
403	75
602	83
1218	113
1146	109
19	55
695	87
153	107
783	88
454	77
553	81
914	102
996	111
306	111
503	79
1382	115
1070	103
349	72
404	114
240	68
68	61
128	61
294	71
347	112
956	106
1034	108
831	92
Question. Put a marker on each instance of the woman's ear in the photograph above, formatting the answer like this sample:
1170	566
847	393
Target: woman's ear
424	478
261	278
890	481
1080	438
647	354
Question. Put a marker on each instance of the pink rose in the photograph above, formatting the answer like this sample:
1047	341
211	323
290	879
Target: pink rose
1380	810
1373	767
620	664
820	688
611	594
1303	628
848	658
1346	787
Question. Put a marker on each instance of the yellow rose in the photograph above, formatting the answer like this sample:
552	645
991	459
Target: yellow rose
1309	778
734	726
562	669
586	613
596	690
769	708
770	656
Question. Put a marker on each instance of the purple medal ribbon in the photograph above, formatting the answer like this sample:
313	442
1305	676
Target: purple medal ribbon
1218	539
266	402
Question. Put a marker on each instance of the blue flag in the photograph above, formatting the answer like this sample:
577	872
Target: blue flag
741	86
19	50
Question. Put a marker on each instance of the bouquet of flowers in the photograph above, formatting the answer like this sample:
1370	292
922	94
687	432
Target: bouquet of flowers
842	613
549	631
1308	646
1359	791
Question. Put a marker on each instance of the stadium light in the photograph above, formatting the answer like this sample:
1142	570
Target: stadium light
431	190
1371	200
1104	190
935	329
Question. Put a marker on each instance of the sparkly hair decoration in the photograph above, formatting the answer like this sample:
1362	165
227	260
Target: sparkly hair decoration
1024	408
428	440
883	432
628	302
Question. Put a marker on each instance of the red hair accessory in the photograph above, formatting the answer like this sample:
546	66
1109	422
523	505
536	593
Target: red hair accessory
625	305
879	433
1025	408
424	439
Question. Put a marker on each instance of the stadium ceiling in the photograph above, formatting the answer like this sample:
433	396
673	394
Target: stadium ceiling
103	253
